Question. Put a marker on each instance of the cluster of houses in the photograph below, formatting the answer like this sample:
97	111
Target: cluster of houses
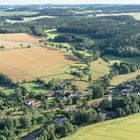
125	89
48	96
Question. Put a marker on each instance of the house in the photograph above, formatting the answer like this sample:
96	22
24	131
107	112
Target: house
37	104
33	102
47	95
109	97
30	101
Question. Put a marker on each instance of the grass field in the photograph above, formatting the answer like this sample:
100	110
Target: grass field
99	68
127	128
124	77
135	15
52	33
36	62
112	59
30	86
15	40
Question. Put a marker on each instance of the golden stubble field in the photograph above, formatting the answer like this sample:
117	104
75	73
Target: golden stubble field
15	40
35	62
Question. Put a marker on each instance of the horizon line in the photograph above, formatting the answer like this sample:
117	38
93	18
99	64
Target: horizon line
71	4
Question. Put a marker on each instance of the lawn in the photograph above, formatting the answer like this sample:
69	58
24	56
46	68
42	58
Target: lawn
15	40
34	86
35	62
30	86
127	128
7	90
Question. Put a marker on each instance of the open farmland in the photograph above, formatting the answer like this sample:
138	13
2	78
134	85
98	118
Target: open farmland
15	40
99	68
36	62
127	128
18	13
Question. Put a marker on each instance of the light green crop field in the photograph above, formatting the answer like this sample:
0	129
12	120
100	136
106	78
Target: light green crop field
135	15
22	13
127	128
52	33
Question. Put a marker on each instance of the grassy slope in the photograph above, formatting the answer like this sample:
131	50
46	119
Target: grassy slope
127	128
99	68
124	77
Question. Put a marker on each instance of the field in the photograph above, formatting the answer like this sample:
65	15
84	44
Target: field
36	62
21	13
135	15
112	59
99	68
127	128
28	19
124	77
52	33
15	40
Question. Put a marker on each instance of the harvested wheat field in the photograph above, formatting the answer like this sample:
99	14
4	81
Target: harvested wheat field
36	62
15	40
